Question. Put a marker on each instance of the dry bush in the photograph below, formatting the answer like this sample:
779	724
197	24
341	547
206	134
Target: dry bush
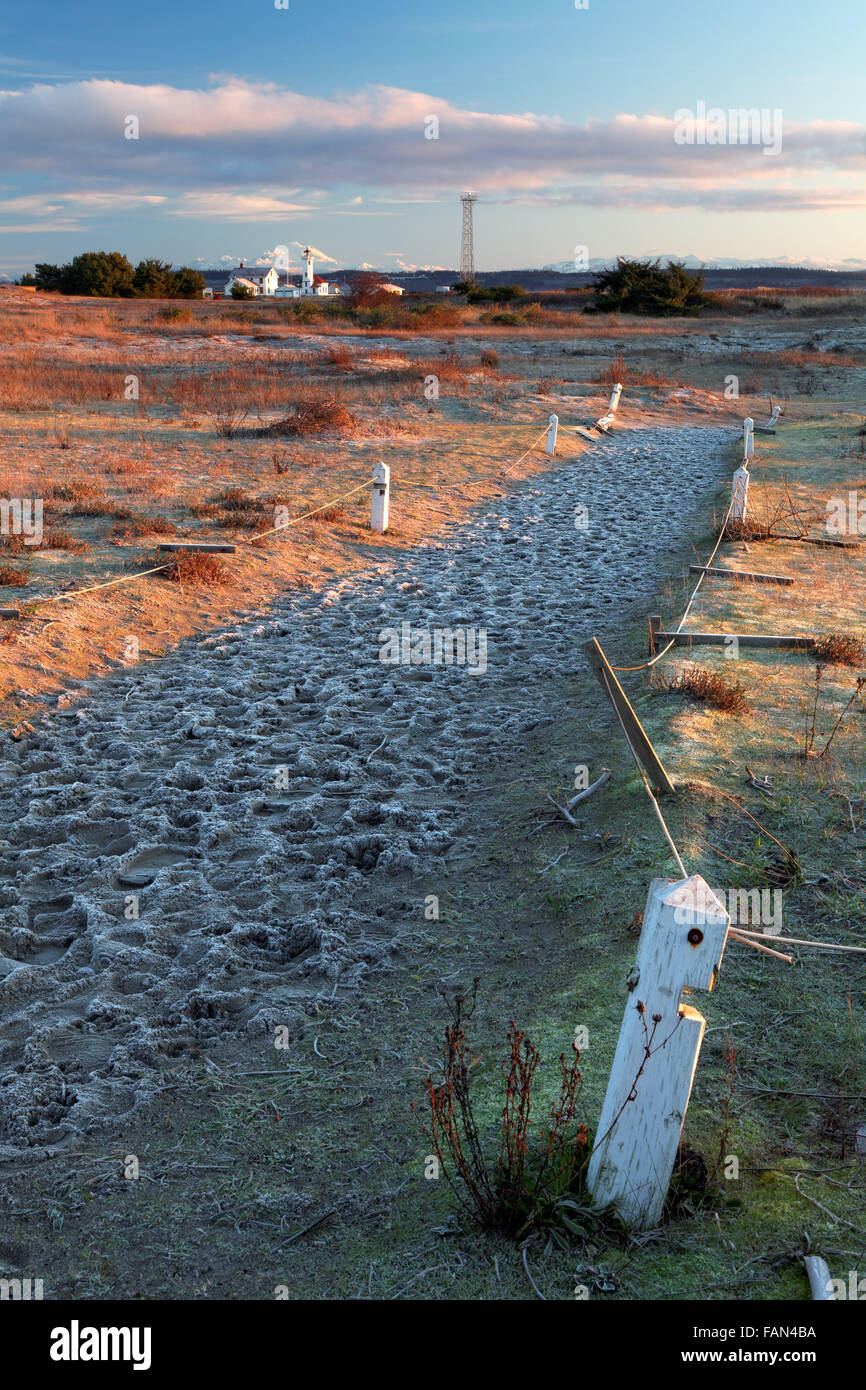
839	649
709	687
618	370
615	371
338	356
233	507
228	419
281	461
12	578
134	524
312	413
73	490
61	435
58	539
197	568
771	516
490	358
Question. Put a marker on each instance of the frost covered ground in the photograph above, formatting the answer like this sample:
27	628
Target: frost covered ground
270	799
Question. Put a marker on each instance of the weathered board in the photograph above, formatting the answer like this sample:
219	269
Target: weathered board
223	547
742	574
744	639
603	672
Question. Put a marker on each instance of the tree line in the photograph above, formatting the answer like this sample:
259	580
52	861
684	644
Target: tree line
110	275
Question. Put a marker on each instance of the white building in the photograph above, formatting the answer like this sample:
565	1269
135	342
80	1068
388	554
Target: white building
311	285
257	278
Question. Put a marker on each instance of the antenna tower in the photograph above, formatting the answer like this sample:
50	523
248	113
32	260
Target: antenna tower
467	248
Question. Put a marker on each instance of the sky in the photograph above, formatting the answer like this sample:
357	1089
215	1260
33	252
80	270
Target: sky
208	133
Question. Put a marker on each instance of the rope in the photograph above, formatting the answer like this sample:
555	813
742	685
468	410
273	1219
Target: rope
248	540
76	593
658	656
506	471
140	574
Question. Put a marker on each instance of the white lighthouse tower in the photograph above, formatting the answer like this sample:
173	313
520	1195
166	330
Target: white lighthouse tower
307	282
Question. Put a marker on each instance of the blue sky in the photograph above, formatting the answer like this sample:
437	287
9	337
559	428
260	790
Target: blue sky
261	126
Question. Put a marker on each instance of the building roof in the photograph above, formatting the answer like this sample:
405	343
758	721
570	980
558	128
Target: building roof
252	272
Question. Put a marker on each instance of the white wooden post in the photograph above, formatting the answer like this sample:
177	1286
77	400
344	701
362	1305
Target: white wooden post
777	410
740	494
748	438
550	444
681	947
380	498
614	398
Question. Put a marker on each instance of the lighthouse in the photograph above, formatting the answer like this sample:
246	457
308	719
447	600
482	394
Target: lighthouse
307	282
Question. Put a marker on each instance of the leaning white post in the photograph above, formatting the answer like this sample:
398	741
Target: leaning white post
776	412
614	398
740	494
550	445
681	947
380	498
748	438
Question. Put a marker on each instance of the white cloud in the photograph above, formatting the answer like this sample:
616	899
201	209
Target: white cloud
216	152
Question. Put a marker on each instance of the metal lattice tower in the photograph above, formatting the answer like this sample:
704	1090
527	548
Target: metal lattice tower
467	248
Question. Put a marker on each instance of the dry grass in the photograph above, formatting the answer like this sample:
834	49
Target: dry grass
618	370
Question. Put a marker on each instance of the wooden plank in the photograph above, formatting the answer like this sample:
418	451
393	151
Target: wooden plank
223	547
742	574
10	613
603	672
744	639
763	429
578	429
820	540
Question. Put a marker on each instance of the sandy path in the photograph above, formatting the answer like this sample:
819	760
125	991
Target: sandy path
237	788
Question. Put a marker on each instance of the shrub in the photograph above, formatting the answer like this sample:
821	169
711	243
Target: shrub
709	687
135	525
57	539
174	314
12	578
339	356
525	1186
644	287
197	568
839	649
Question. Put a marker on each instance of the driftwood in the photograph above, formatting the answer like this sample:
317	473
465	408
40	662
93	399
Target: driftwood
566	810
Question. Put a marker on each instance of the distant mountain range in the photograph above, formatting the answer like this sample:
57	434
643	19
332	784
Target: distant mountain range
694	262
